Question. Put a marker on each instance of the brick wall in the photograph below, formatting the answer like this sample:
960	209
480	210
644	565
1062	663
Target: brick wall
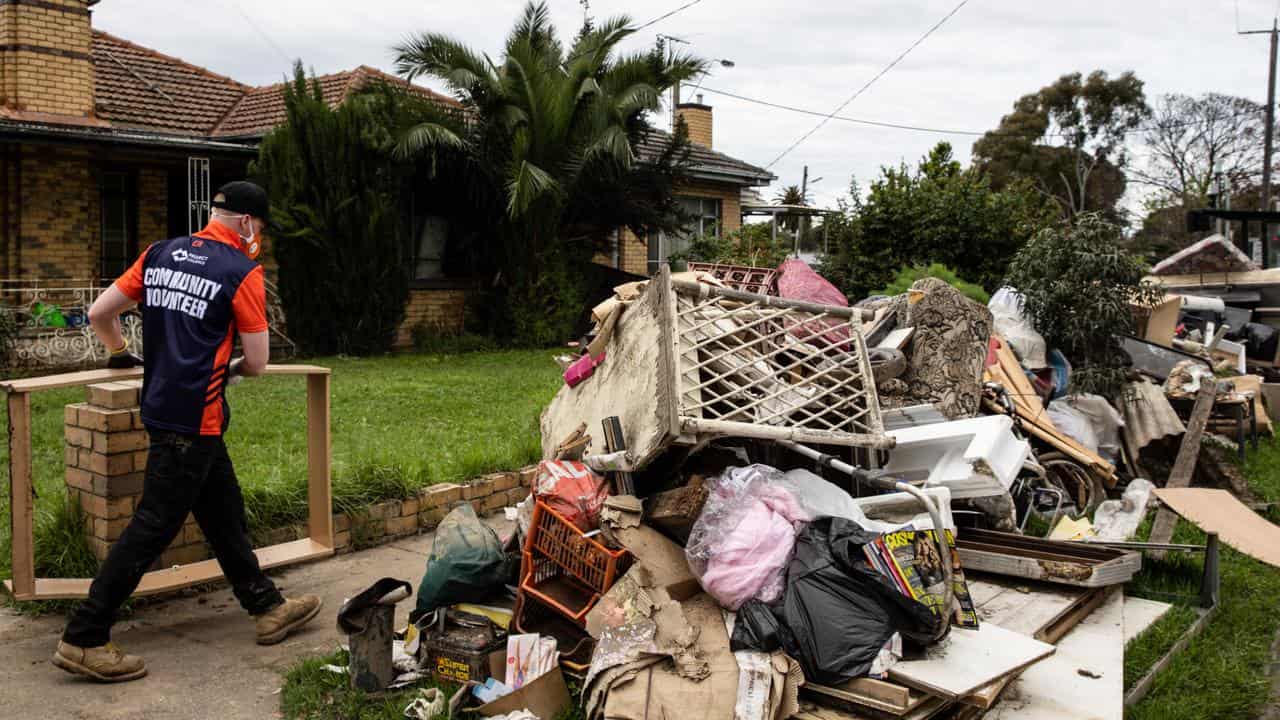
106	460
57	225
438	309
45	63
635	250
153	206
697	119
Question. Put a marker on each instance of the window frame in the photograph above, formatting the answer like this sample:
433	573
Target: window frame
126	193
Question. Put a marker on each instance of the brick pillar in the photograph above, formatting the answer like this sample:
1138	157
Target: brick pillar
106	457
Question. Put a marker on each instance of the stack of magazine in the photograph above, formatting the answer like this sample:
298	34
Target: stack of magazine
910	559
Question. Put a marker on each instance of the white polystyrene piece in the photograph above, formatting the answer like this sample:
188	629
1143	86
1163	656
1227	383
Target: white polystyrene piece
974	457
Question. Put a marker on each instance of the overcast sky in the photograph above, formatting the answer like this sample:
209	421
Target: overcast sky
803	53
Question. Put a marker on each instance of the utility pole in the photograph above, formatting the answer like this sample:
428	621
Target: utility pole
804	191
1267	137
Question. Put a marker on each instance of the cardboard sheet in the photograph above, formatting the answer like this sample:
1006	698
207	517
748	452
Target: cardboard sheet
970	659
1218	511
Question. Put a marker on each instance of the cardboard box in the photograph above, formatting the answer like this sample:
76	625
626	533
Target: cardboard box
1158	324
545	696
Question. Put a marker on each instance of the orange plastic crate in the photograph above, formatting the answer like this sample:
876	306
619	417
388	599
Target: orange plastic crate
564	569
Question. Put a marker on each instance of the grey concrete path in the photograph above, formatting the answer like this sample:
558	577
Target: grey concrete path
200	650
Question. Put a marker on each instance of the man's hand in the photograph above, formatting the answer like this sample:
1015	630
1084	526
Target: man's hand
123	359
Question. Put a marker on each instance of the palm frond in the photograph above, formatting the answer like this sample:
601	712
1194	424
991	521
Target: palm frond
438	55
526	183
427	137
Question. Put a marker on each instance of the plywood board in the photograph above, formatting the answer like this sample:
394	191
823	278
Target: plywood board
969	659
21	495
181	576
1057	689
634	382
1218	511
89	377
1140	614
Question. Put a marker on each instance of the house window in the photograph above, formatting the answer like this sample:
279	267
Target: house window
704	220
432	234
119	246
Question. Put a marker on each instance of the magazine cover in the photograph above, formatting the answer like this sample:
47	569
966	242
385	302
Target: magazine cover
910	559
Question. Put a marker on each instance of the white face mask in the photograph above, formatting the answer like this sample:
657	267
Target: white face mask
251	245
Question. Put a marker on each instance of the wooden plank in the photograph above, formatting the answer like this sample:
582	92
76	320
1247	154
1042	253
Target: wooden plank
1185	464
1008	372
1247	278
181	576
21	496
869	693
89	377
319	490
84	377
969	659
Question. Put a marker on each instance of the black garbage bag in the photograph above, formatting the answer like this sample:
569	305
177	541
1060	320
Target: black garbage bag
837	611
466	564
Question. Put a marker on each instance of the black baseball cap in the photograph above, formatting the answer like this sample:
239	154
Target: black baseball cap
244	197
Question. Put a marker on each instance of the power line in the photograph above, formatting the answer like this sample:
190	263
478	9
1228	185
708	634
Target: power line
940	131
844	118
260	31
565	63
668	14
869	83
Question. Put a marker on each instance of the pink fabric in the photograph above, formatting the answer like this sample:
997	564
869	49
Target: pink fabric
798	281
749	559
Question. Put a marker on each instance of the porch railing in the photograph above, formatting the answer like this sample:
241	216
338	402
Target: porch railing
50	323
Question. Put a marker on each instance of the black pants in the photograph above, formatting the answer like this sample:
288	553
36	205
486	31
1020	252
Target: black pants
185	474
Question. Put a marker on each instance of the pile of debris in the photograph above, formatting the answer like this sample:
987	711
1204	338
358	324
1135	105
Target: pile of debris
761	502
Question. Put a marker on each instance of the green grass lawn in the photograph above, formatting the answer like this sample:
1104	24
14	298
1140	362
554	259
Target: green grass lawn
1222	673
399	422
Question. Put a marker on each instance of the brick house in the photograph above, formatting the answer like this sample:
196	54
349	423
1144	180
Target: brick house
106	146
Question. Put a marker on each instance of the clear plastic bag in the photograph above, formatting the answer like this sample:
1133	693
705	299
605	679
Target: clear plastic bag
743	539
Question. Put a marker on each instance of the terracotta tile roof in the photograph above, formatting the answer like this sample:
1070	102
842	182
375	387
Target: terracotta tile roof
263	108
137	87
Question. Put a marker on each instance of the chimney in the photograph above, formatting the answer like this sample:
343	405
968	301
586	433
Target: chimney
45	60
697	119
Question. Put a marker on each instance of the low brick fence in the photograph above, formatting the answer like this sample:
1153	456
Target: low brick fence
106	459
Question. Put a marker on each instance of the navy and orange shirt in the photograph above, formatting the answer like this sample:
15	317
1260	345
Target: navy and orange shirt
195	294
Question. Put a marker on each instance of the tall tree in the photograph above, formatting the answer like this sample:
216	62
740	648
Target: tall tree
1069	139
1196	146
1194	141
553	142
334	189
938	212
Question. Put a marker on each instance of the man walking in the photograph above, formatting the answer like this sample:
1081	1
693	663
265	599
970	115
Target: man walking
197	294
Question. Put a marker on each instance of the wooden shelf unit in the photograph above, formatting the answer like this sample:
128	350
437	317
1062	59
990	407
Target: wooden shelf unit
26	586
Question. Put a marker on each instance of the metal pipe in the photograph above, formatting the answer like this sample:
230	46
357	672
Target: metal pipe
703	291
888	484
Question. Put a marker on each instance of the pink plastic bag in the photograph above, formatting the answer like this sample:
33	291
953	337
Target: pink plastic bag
573	490
741	543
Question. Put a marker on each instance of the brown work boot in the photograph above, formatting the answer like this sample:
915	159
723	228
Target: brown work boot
276	624
104	664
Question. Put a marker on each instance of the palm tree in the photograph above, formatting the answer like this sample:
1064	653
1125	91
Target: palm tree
790	195
551	144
